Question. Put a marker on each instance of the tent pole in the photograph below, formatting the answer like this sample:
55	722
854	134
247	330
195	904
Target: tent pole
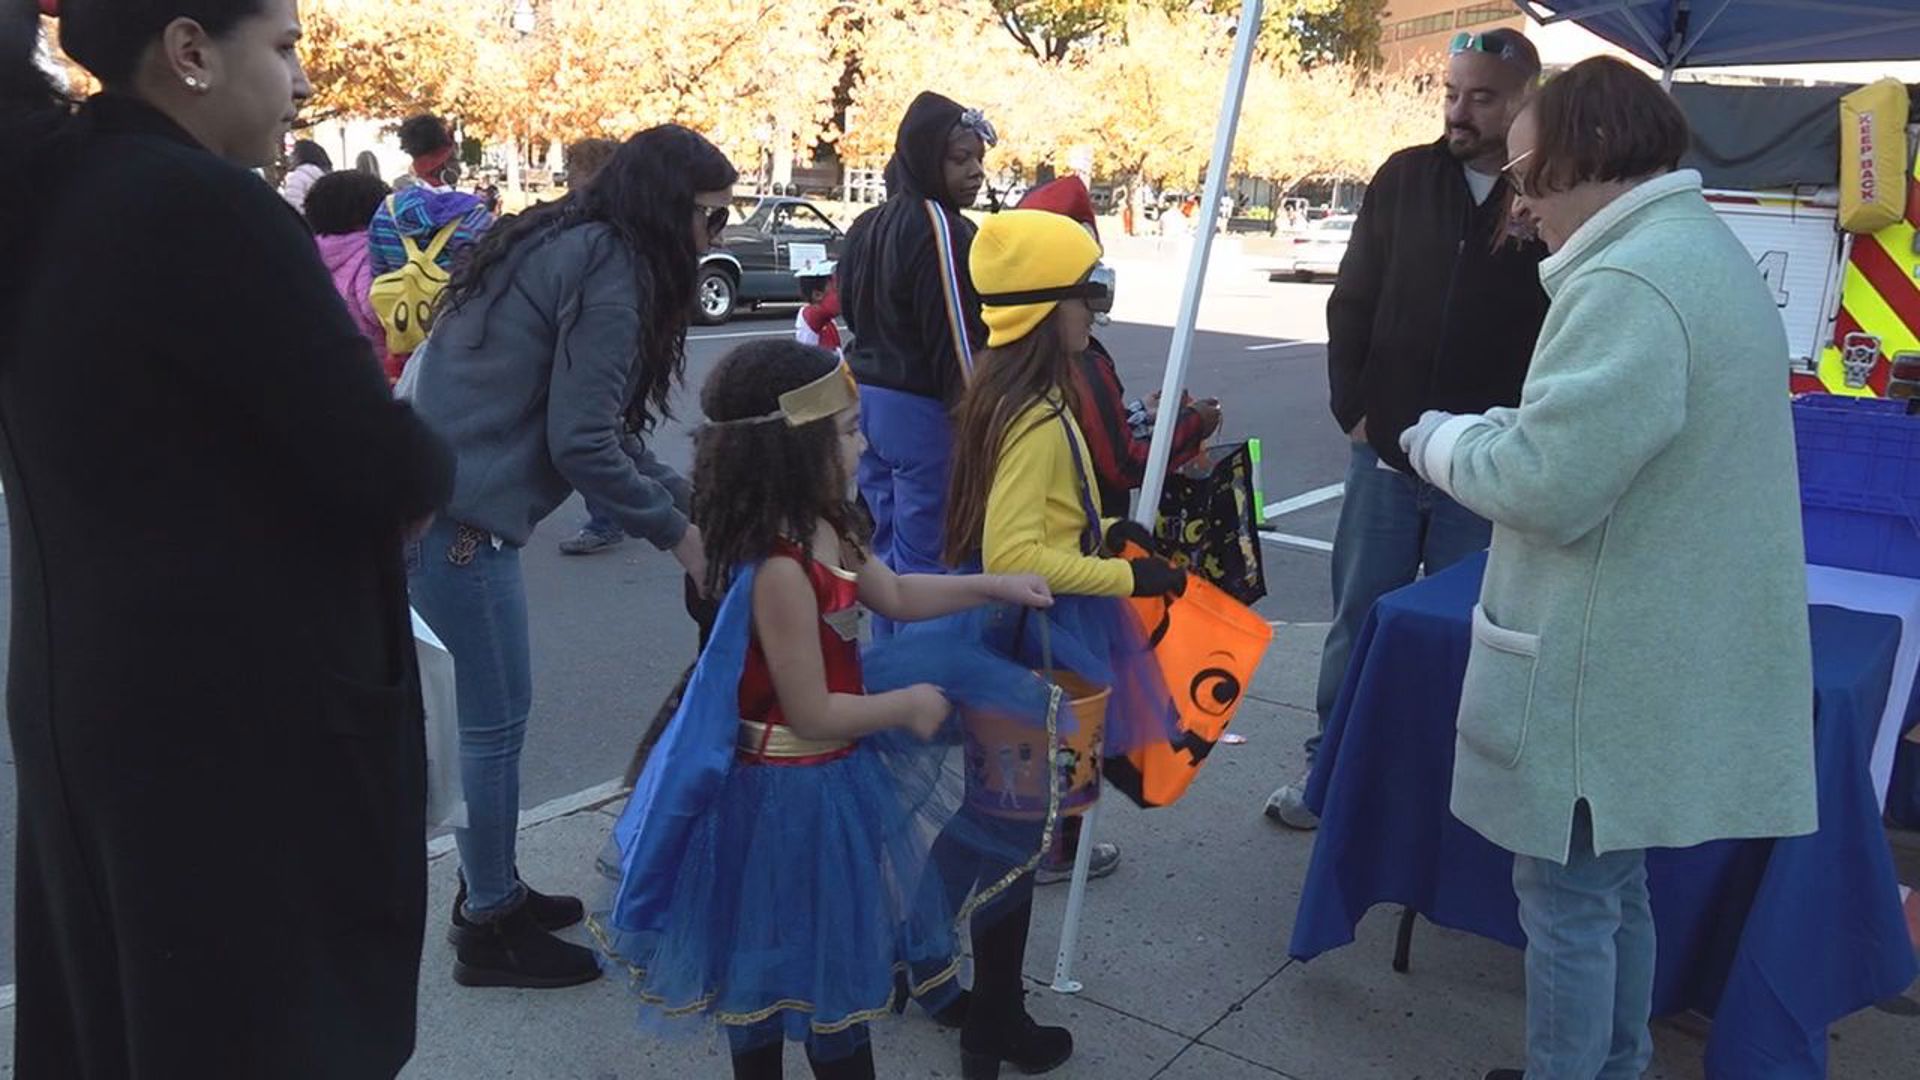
1161	450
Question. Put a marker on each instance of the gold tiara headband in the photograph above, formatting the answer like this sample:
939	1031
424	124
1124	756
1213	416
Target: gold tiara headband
829	395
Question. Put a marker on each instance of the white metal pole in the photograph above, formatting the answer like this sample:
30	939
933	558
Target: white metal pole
1161	450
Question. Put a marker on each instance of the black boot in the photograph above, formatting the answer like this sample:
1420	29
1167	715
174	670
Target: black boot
855	1066
1507	1074
514	950
550	913
763	1062
953	1017
998	1029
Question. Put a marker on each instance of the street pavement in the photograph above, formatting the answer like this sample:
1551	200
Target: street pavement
609	634
1183	953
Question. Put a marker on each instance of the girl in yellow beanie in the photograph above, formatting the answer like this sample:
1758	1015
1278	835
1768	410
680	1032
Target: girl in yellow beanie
1022	500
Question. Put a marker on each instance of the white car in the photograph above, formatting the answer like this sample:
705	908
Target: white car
1319	248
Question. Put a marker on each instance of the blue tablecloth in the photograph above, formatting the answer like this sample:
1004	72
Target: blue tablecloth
1774	939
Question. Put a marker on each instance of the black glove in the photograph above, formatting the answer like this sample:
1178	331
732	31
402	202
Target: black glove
1155	576
702	609
1128	531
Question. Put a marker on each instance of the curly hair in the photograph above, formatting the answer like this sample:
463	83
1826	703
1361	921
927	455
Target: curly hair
341	203
423	134
755	484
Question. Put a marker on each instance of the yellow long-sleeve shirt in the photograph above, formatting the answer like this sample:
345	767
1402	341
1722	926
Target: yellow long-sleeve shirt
1037	511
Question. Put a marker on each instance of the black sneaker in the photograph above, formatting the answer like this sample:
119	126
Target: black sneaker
1029	1047
514	951
550	913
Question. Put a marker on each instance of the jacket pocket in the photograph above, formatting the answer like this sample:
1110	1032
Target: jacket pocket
1496	700
358	709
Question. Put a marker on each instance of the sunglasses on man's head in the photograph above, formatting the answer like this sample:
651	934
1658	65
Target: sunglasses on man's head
1468	41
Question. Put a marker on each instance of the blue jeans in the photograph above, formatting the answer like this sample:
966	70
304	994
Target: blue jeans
479	610
599	522
1393	527
903	477
1590	961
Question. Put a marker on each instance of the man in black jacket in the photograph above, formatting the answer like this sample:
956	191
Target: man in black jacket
1437	307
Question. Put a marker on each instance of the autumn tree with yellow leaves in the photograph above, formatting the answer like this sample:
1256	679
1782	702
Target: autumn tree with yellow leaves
1137	88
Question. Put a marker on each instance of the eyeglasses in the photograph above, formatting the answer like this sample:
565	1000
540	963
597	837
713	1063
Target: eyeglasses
1507	169
1468	41
716	218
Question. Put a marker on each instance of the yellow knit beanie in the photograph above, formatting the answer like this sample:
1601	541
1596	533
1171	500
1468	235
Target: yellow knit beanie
1026	251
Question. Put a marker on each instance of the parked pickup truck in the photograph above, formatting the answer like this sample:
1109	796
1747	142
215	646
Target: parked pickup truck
755	260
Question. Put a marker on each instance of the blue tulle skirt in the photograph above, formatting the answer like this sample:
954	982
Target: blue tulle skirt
1096	638
799	901
796	906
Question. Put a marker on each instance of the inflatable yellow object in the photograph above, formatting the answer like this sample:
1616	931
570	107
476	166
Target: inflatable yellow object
1873	156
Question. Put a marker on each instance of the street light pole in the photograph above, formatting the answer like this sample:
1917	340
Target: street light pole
523	20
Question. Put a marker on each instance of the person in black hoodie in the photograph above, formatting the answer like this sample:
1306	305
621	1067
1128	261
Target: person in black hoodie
212	691
916	324
1437	307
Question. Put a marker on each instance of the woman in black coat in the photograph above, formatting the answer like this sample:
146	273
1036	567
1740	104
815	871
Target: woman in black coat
212	694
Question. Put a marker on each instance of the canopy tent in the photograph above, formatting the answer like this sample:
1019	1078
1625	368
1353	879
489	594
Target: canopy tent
1672	34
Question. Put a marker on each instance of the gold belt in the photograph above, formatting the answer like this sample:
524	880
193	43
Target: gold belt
779	741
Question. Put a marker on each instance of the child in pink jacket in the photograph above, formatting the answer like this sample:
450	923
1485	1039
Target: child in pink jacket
339	206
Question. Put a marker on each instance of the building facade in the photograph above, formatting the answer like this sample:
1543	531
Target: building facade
1418	32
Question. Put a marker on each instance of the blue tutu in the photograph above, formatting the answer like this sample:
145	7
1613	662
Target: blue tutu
801	901
1096	638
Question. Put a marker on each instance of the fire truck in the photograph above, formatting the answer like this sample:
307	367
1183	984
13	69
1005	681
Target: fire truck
1850	302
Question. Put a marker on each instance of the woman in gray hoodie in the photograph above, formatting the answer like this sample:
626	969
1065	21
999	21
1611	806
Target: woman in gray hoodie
553	354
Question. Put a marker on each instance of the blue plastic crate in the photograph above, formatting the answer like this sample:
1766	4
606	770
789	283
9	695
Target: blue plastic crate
1859	483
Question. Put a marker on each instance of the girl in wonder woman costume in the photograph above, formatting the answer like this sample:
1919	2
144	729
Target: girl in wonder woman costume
775	851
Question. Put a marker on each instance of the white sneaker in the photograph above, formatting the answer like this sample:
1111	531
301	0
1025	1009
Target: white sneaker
1288	806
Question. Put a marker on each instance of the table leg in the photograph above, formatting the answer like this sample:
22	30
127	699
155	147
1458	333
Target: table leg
1403	947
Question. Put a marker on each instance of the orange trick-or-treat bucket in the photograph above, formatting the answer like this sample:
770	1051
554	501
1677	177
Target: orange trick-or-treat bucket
1008	773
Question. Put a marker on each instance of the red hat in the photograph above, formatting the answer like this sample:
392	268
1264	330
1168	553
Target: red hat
1066	196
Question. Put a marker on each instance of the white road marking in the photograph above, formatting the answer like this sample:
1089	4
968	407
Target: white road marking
741	334
1305	500
1285	345
545	812
1303	543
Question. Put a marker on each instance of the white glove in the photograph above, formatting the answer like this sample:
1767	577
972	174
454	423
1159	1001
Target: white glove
1414	440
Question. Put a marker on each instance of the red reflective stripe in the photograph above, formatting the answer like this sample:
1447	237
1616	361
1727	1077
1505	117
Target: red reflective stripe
1896	289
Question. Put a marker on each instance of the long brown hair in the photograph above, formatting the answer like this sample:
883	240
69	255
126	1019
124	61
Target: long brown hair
1006	382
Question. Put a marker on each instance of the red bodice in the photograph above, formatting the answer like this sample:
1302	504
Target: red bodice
838	597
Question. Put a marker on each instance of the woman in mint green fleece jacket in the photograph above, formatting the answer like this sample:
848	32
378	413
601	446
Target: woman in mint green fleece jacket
1640	674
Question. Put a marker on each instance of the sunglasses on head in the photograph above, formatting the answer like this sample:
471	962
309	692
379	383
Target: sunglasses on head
1468	41
1096	289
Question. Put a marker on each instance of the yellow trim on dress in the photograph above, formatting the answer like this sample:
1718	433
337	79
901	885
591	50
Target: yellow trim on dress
779	741
636	975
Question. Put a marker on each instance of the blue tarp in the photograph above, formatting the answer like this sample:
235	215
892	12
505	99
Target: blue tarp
1694	33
